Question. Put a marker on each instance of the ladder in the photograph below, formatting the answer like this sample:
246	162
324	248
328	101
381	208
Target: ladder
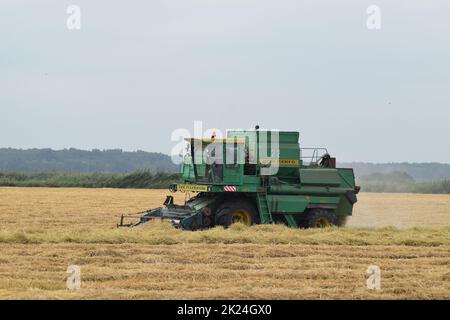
263	207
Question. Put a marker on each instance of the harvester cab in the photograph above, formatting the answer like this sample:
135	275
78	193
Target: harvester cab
213	161
257	176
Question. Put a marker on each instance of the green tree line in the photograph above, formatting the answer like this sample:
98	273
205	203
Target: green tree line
138	180
74	160
401	182
418	171
395	182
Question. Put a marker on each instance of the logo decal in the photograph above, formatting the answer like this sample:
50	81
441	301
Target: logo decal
191	187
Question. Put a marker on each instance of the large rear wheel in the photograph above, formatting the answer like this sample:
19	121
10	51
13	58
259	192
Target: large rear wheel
241	211
341	220
318	218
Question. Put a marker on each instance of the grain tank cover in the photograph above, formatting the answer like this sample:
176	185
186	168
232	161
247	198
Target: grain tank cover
264	147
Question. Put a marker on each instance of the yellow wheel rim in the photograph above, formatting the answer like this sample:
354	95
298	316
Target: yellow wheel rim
241	216
323	223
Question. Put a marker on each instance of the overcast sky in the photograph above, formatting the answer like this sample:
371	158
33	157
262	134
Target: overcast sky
137	70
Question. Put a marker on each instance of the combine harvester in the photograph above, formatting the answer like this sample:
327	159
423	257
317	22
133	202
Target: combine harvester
235	181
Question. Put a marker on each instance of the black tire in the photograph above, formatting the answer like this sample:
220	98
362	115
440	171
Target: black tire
225	213
317	218
340	220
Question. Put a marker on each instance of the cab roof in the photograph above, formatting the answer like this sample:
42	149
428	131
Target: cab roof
212	140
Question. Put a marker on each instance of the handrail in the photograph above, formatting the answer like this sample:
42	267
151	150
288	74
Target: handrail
314	157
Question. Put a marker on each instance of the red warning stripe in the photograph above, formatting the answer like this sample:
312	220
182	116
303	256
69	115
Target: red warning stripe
230	188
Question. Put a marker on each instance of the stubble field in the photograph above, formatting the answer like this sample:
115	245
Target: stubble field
43	231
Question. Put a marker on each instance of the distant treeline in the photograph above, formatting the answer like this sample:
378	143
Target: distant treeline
138	180
395	182
418	171
401	182
111	169
118	161
435	187
74	160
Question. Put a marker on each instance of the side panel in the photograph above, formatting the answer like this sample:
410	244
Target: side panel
287	203
320	177
331	202
347	177
347	181
298	203
345	207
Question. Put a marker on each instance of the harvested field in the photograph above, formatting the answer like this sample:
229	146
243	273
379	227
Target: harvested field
43	231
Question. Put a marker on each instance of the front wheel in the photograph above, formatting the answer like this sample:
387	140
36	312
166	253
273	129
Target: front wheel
240	211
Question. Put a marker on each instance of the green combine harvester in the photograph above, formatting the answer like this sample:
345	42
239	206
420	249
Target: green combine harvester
257	176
